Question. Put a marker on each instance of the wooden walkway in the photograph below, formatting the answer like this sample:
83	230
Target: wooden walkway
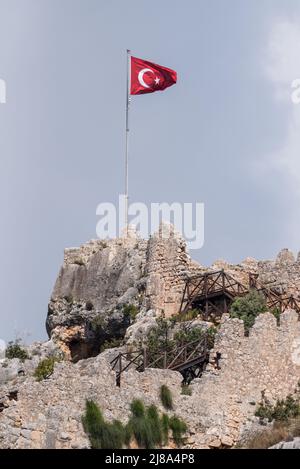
189	359
212	293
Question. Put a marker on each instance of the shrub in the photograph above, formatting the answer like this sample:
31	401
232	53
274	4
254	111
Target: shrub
102	435
137	408
15	350
186	335
130	312
165	425
97	324
142	432
166	397
266	438
45	368
116	432
248	308
178	428
276	313
283	410
145	425
128	432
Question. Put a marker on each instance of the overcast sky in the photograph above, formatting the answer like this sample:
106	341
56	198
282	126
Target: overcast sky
227	134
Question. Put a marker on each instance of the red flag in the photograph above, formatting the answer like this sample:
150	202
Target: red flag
147	77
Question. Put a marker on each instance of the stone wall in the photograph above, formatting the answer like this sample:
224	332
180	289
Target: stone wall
220	409
283	274
168	263
268	362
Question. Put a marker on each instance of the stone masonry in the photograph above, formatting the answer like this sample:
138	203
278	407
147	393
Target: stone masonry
221	408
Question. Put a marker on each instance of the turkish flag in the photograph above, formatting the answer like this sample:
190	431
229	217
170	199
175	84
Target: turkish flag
147	77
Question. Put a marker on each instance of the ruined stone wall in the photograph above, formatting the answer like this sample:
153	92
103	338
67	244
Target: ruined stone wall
167	264
268	362
283	274
48	414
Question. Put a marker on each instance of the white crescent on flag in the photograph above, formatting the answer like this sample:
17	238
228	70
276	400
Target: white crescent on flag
141	77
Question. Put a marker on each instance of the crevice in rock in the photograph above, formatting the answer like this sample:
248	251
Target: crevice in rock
80	349
13	395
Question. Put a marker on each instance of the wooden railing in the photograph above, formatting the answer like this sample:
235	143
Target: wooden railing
173	359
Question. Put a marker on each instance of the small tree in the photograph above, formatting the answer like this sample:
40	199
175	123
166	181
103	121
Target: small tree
248	308
45	368
130	312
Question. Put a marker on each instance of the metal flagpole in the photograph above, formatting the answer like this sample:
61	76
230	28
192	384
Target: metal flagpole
127	136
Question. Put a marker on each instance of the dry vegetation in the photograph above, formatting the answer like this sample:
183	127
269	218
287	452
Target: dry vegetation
270	436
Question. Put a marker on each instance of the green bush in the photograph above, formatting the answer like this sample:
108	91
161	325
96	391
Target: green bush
102	435
283	410
137	408
161	339
15	350
248	308
142	432
89	306
166	397
97	324
79	261
178	428
130	312
45	368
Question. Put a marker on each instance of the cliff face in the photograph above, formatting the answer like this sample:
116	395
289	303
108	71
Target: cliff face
94	283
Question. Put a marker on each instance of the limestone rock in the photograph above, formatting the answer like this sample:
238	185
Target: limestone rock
99	278
285	257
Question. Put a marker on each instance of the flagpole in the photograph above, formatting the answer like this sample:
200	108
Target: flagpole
127	137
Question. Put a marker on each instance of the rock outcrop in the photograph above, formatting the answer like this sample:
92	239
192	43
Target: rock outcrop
98	279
